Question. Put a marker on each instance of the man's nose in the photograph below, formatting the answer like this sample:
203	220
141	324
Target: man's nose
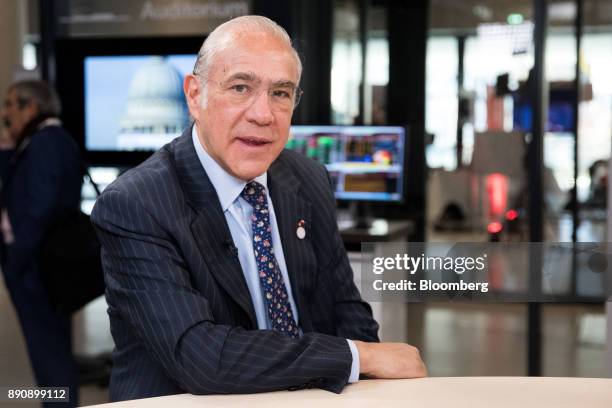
260	111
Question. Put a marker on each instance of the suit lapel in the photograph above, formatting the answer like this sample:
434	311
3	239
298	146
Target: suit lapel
212	234
290	209
209	227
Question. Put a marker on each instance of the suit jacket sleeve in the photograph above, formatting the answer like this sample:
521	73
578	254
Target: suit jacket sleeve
148	284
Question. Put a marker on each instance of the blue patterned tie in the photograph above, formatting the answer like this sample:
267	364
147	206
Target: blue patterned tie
272	283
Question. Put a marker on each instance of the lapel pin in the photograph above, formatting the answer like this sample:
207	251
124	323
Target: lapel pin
300	231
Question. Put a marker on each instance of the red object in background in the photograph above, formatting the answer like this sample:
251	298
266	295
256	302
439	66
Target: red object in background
494	227
511	215
497	190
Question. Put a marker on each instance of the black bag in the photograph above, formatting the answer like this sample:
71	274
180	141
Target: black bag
70	262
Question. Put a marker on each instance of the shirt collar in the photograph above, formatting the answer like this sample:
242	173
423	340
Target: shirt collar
227	186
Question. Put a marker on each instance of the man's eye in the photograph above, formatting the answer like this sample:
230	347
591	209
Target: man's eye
281	94
240	88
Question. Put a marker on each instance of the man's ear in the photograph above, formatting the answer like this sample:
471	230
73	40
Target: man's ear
193	95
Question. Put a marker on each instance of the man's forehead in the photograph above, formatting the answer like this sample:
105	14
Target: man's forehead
270	64
266	58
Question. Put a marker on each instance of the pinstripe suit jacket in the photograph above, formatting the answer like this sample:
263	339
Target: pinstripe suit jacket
181	315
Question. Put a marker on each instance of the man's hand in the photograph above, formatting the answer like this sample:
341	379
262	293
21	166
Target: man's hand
390	360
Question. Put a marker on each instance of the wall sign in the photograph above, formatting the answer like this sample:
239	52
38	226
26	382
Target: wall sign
104	18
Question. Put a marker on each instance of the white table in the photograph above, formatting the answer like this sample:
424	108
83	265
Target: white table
440	392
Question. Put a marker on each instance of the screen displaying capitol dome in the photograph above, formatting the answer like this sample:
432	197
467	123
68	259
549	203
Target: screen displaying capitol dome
135	102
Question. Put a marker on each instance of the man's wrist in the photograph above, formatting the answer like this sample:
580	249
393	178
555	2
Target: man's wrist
364	350
355	364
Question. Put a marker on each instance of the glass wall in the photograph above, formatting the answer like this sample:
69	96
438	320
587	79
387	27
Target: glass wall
595	119
480	111
479	58
595	109
560	137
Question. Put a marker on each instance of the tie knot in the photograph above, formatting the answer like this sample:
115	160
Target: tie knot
255	194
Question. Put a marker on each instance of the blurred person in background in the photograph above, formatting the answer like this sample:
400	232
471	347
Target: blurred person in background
41	177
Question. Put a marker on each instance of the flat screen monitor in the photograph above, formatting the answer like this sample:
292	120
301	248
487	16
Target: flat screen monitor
560	118
134	102
365	162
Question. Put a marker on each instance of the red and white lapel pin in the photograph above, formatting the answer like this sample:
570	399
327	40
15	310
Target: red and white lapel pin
301	231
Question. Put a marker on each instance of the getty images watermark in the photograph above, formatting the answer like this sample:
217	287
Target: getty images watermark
522	272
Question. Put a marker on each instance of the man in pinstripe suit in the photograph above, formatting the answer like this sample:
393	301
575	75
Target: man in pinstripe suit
224	267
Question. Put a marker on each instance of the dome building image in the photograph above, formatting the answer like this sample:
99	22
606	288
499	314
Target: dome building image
155	111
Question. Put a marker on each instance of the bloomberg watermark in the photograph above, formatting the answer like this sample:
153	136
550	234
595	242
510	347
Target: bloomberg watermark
522	272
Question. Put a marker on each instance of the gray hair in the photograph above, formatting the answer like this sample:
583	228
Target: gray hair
223	37
40	93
